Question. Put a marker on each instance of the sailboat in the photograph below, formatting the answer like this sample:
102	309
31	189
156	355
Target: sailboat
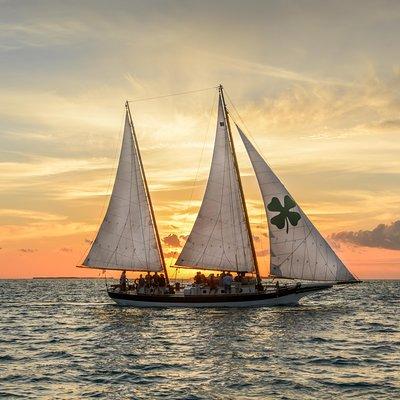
221	238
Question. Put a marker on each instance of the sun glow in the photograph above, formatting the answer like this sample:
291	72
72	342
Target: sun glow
327	125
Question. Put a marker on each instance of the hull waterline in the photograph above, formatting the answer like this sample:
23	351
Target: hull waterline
283	297
348	283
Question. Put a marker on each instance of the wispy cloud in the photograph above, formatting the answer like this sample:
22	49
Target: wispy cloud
256	68
18	35
66	249
28	250
34	230
389	125
25	174
31	215
329	111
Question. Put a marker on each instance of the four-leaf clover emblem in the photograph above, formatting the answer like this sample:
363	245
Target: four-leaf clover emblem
285	216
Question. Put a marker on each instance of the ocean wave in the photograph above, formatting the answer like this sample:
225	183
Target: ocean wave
73	343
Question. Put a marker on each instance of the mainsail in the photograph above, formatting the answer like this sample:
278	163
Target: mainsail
220	238
297	249
127	238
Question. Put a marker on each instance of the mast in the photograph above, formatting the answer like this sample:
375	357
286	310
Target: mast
236	165
160	252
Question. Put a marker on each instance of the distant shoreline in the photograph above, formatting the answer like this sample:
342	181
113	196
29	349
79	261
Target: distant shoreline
111	278
65	277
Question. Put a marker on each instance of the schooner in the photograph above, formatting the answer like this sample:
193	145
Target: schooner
220	240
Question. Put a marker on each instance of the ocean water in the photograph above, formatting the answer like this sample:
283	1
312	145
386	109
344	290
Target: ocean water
64	339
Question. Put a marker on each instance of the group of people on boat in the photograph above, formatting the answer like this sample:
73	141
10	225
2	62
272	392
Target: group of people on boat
223	280
146	284
157	283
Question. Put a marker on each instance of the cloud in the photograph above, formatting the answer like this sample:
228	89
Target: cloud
15	36
324	111
172	240
27	250
31	215
184	237
66	249
171	254
45	229
382	236
249	67
387	125
39	167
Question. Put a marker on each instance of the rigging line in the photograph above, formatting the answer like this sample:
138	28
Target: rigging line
250	238
317	235
138	162
233	177
131	201
229	163
199	164
146	252
170	95
115	252
231	199
291	254
201	256
242	121
223	253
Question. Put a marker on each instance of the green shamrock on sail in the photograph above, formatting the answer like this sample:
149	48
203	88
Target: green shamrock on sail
285	216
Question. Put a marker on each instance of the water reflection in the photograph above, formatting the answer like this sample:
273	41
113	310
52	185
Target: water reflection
67	337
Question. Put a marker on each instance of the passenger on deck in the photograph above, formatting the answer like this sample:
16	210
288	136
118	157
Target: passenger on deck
156	281
213	283
140	283
221	278
122	281
148	279
197	278
277	286
227	282
162	283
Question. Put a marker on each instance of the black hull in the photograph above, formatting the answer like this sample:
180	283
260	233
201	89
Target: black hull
283	296
348	283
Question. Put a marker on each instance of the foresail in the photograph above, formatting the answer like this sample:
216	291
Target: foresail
297	249
220	238
126	238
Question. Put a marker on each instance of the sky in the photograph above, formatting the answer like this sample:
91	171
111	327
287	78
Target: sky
315	84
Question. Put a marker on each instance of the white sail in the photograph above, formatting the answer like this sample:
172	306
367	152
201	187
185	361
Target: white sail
126	239
297	249
220	237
